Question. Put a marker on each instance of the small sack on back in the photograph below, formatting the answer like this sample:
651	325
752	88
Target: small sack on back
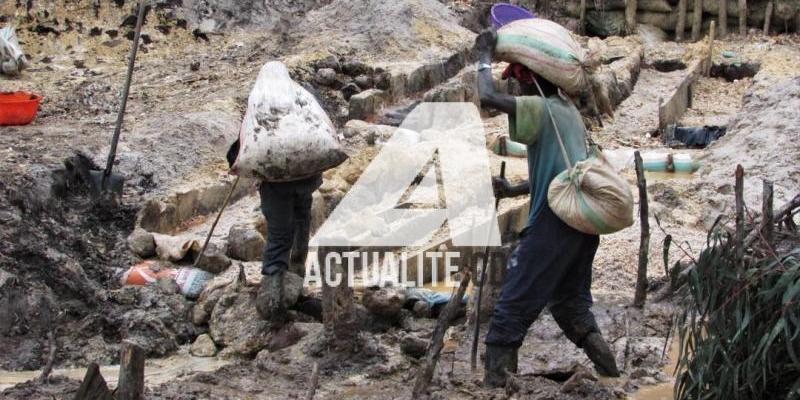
285	134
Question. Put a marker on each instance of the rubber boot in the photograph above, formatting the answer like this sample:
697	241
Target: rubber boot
499	361
269	301
598	351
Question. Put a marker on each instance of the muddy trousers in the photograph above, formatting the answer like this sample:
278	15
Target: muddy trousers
551	266
287	208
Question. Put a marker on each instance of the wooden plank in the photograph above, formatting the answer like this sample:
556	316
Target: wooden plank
681	25
743	17
723	18
644	239
710	54
697	20
767	18
131	373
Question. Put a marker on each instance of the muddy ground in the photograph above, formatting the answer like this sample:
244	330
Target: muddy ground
61	257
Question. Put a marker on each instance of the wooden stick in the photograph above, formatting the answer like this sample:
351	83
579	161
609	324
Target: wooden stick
681	25
214	225
48	367
783	212
644	243
582	20
739	192
723	18
767	224
312	388
425	373
697	20
131	373
767	18
630	16
743	17
93	387
710	56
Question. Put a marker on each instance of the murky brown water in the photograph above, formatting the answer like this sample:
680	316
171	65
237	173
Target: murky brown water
666	390
156	371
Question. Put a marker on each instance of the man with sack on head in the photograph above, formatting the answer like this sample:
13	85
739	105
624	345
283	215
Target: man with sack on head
552	265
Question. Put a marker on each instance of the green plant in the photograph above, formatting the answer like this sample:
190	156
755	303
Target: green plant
740	329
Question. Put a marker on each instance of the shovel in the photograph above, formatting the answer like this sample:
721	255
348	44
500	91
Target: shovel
104	181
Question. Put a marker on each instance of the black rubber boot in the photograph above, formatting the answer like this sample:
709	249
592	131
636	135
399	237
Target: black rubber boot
499	361
269	301
598	351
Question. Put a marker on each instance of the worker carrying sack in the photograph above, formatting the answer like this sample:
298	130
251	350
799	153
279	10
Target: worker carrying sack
285	135
547	49
589	195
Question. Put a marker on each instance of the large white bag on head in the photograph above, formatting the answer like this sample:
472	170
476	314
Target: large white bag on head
548	49
285	134
12	59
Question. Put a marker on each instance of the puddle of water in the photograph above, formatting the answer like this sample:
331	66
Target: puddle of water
666	390
156	371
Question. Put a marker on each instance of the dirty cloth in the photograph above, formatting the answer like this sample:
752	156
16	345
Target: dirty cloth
287	208
432	298
696	137
551	266
545	161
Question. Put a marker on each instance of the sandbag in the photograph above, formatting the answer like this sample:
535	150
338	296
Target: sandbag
548	49
285	134
591	197
12	59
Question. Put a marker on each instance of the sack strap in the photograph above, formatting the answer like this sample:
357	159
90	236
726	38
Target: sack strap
555	126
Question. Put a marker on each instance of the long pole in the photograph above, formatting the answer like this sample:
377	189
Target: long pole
473	357
123	102
214	225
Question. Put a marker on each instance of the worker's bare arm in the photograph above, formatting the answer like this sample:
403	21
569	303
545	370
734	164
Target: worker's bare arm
490	97
503	188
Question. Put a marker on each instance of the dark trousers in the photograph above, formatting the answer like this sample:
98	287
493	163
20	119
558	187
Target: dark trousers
551	266
287	208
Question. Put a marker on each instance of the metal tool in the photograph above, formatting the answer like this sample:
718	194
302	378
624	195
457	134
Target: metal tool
214	225
104	181
473	359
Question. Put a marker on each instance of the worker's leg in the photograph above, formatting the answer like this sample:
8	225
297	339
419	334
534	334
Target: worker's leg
278	208
571	309
302	223
535	269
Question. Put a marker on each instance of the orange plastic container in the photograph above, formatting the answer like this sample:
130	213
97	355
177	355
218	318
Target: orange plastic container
18	108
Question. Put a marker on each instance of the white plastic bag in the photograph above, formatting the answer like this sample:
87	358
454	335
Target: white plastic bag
285	134
12	59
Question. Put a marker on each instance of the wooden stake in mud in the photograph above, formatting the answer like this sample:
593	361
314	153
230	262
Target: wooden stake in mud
312	388
630	15
425	372
767	18
743	17
739	192
766	211
644	243
697	20
723	18
710	55
681	25
93	387
131	373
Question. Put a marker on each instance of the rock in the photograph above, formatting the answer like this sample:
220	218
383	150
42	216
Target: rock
203	346
235	324
326	76
260	223
328	62
384	302
245	243
413	346
201	311
167	285
421	310
214	259
366	103
355	68
383	81
142	243
349	90
363	81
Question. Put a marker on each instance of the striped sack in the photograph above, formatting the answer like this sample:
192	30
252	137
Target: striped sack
548	49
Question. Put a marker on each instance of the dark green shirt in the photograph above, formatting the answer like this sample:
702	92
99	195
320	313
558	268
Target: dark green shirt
545	160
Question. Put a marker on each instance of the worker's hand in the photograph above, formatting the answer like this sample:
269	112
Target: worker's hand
501	187
486	41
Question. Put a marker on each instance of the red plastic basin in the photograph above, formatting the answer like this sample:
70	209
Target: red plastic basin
18	108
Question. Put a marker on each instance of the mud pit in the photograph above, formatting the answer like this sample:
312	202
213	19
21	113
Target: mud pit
60	259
